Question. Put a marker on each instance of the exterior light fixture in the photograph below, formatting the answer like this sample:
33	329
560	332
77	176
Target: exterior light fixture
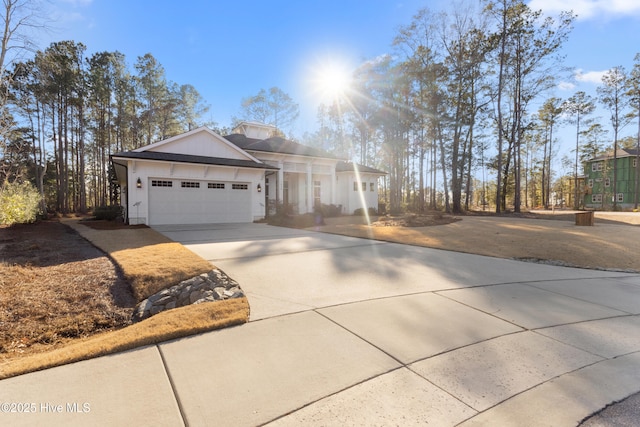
139	183
259	188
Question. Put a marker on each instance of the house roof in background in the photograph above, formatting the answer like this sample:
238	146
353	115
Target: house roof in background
276	144
350	167
622	152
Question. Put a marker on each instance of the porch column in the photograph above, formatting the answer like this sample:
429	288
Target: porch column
334	196
309	187
280	185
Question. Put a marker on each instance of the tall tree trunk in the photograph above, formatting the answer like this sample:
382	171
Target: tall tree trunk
505	175
637	168
469	166
545	203
549	166
502	60
434	175
422	153
447	206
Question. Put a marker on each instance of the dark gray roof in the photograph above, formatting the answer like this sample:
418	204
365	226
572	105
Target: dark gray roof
187	158
276	144
350	167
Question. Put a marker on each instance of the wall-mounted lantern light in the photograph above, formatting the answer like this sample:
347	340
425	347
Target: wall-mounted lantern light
139	183
259	188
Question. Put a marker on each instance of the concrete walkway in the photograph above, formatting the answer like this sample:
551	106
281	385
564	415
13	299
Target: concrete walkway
348	331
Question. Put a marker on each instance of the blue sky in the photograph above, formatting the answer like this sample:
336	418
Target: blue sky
231	49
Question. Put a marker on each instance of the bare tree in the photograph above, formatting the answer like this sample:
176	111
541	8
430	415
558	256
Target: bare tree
548	115
613	97
578	106
271	107
528	58
19	19
633	90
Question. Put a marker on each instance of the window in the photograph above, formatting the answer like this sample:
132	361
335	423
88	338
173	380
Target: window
355	185
635	162
590	183
190	184
364	186
216	185
597	166
161	183
372	186
620	197
240	186
596	198
607	182
317	185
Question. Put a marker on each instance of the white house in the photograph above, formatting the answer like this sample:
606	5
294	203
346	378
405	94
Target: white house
202	177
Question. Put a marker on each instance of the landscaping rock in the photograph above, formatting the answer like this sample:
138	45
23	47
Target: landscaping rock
212	286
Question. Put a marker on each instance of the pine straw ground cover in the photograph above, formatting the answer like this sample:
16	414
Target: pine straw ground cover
612	244
62	300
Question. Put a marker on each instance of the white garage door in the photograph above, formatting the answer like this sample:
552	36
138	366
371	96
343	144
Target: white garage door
173	201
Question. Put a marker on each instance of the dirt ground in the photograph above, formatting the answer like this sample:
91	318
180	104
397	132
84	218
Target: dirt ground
549	237
55	287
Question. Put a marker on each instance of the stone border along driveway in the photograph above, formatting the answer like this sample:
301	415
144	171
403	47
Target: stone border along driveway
212	286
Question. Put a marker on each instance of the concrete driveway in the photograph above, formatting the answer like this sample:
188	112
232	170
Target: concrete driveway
440	337
286	270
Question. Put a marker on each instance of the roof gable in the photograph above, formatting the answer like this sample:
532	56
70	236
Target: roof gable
199	142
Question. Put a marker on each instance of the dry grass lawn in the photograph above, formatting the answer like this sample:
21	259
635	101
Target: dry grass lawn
610	244
150	261
63	300
172	324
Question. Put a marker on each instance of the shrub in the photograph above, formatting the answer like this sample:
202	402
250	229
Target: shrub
295	221
328	211
360	212
108	213
18	203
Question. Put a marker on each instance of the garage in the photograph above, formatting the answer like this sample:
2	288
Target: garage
187	201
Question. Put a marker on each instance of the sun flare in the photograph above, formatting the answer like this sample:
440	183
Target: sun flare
332	81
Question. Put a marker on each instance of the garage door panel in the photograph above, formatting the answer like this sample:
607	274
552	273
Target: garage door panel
212	202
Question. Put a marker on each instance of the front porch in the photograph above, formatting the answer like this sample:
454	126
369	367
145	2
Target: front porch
300	187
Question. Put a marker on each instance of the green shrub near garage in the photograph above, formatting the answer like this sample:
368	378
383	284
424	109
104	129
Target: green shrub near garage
109	213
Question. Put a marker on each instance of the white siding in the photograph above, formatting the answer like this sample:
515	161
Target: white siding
202	144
